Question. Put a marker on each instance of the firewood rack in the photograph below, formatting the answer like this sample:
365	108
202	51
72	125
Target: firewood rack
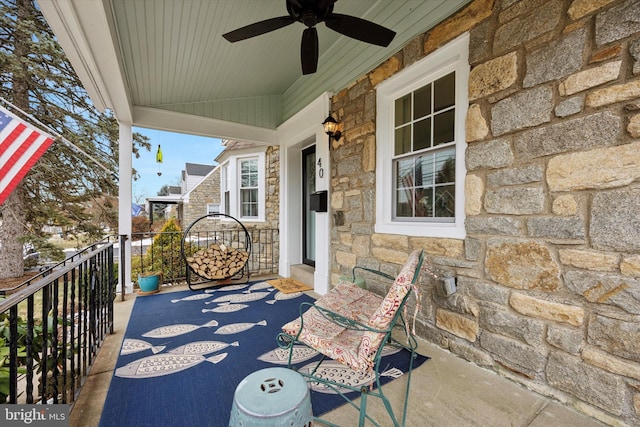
217	252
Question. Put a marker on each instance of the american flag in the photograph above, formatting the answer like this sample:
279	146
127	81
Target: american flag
21	145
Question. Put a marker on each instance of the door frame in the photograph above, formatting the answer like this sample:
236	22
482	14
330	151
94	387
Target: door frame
300	131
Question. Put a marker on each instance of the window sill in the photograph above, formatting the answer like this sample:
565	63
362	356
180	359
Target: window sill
449	230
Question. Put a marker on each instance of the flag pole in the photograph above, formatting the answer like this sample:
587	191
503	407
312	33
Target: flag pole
58	136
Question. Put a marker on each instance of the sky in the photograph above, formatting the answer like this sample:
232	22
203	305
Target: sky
177	149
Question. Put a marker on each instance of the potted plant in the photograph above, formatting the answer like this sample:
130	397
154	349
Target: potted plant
149	283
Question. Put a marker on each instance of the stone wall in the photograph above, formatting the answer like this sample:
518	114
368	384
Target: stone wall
549	273
207	191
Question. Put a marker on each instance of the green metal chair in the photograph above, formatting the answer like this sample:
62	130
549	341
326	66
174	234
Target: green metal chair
353	326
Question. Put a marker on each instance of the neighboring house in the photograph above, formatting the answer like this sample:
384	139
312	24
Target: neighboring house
249	190
191	176
503	140
201	199
244	186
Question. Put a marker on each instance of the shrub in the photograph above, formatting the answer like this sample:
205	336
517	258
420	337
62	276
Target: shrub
163	256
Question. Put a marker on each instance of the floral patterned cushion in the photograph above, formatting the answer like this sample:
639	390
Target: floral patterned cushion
353	348
400	288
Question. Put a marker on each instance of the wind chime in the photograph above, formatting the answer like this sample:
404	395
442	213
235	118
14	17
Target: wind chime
159	160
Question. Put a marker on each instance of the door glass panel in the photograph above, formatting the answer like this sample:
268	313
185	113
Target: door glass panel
309	223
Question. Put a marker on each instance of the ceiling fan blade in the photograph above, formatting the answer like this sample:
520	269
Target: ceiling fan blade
258	28
309	51
360	29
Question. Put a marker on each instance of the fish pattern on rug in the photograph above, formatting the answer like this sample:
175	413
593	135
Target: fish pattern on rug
163	364
280	356
225	308
241	297
181	359
132	345
175	330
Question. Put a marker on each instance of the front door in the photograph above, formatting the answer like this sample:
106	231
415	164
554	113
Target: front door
308	216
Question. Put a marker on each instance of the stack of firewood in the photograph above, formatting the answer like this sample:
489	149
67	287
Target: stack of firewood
217	261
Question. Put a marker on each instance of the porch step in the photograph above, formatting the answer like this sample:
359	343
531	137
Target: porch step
303	273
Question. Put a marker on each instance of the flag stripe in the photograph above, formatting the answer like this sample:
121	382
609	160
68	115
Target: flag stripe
22	166
18	149
14	131
21	145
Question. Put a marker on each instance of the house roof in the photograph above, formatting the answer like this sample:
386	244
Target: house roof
195	169
234	145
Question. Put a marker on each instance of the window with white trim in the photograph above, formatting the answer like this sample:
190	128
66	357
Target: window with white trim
421	144
249	188
242	187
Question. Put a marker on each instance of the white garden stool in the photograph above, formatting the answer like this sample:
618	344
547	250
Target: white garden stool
273	397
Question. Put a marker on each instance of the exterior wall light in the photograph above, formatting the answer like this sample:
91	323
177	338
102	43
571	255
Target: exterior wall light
331	128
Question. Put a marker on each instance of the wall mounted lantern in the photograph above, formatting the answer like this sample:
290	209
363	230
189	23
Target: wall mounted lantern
331	128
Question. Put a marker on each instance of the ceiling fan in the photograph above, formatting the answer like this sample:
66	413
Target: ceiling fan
311	13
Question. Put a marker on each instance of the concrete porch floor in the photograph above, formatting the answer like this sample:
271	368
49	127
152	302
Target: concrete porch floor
445	391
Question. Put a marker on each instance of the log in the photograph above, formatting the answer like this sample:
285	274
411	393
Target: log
218	261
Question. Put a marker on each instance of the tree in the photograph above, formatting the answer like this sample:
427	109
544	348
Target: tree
64	187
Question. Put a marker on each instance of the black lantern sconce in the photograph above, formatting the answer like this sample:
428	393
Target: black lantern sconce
331	128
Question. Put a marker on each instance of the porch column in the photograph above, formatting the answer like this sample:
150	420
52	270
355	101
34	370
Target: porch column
124	200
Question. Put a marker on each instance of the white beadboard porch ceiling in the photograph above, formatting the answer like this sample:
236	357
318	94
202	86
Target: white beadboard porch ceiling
149	59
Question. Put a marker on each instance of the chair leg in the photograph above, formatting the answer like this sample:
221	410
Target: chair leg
363	405
406	393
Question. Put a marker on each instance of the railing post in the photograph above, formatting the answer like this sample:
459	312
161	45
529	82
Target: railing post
13	355
123	262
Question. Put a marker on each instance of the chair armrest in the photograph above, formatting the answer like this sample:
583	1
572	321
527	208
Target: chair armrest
370	270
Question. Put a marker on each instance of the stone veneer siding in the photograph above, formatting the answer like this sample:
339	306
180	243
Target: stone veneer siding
548	287
207	191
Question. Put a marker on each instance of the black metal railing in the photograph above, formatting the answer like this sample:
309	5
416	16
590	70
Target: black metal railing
54	327
45	271
161	251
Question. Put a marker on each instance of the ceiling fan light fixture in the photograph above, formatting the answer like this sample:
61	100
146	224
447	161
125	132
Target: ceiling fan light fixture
330	126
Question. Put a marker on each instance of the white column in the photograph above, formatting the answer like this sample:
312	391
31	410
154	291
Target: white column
124	200
322	272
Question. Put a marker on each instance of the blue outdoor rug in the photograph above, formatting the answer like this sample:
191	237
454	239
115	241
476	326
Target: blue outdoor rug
184	353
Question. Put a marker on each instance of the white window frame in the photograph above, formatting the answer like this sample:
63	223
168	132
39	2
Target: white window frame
248	188
454	56
224	189
230	180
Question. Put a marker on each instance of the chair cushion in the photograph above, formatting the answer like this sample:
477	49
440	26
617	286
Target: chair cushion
383	316
354	348
350	347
